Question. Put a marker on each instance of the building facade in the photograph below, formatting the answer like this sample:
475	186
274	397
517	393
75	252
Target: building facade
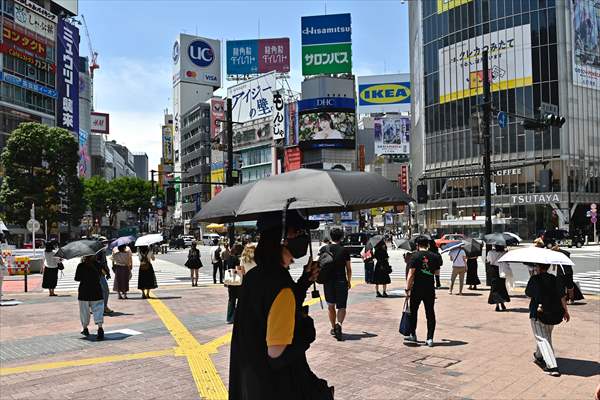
534	46
140	165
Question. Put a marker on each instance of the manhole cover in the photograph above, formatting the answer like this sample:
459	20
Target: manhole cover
433	361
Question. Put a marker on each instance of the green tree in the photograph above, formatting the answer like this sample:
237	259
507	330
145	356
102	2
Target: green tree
40	165
95	195
134	193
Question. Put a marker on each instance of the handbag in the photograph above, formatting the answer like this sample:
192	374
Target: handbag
405	326
232	278
60	266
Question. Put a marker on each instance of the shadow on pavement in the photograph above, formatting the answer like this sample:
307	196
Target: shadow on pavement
583	368
117	314
449	343
107	337
518	296
156	297
518	310
578	303
471	294
358	336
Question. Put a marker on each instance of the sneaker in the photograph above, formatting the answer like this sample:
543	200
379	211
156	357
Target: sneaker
85	332
100	335
553	372
429	342
411	338
338	332
539	362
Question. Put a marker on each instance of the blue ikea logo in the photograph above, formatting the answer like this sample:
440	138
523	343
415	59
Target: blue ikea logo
384	93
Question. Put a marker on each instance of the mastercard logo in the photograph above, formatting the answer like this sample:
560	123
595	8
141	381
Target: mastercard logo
191	74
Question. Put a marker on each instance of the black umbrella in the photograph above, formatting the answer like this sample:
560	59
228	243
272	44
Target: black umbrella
405	244
373	242
500	239
79	248
472	247
315	191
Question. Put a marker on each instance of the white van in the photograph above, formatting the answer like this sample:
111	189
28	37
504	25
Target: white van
210	239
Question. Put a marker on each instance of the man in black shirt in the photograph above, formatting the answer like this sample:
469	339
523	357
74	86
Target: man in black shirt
420	287
336	289
548	307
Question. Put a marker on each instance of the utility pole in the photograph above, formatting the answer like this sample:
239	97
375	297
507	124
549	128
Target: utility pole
229	170
487	114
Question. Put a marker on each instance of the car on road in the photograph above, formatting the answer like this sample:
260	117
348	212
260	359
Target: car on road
449	238
355	242
562	237
210	239
187	240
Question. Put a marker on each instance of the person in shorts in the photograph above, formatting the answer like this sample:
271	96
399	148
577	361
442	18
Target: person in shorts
336	289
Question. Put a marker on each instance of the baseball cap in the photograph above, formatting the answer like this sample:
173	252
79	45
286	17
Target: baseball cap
271	220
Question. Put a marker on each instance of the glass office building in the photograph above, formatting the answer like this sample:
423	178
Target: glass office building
544	57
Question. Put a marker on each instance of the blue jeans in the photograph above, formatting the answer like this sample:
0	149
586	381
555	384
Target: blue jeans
105	290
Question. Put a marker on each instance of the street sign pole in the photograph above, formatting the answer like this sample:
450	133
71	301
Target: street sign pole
229	170
487	112
33	230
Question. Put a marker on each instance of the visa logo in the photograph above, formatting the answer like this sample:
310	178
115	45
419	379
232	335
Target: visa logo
385	93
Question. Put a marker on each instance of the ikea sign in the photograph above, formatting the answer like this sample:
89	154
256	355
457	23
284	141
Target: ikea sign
384	93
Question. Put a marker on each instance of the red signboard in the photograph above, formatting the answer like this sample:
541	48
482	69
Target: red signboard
217	112
24	41
274	55
403	177
36	62
100	123
293	158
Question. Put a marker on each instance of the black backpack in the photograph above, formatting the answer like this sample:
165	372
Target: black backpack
551	312
327	265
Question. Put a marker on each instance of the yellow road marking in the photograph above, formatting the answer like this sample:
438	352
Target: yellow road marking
213	346
208	382
85	361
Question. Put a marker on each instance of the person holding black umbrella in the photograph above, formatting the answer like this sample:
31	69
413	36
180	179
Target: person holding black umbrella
498	293
381	275
90	294
272	330
472	277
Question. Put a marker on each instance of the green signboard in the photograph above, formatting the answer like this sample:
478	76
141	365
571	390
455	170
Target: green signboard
327	59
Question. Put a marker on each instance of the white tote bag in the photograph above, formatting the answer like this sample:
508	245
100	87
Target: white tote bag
232	278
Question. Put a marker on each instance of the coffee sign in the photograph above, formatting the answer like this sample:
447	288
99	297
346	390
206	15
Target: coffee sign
538	198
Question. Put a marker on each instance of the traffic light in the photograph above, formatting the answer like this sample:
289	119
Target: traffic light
554	120
422	194
171	196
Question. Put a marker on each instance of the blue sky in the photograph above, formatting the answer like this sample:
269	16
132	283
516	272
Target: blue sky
134	41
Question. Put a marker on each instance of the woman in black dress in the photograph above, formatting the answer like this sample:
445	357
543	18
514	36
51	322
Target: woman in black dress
194	263
51	267
146	277
381	276
498	293
472	277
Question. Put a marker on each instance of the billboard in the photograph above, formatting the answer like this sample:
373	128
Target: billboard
445	5
293	159
100	123
252	99
35	18
461	68
327	125
392	135
258	56
403	178
167	144
24	41
197	60
84	156
278	123
586	43
217	174
384	93
67	82
290	113
217	112
326	44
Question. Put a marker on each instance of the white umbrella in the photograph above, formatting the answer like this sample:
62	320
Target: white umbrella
149	240
517	237
536	255
3	227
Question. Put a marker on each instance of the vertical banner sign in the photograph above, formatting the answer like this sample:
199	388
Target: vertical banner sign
403	178
84	157
67	106
586	43
291	124
252	99
326	44
217	112
167	142
278	118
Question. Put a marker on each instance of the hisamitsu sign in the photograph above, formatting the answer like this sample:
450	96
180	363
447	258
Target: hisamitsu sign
326	44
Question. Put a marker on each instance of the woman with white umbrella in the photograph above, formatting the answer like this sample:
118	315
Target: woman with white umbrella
146	277
498	271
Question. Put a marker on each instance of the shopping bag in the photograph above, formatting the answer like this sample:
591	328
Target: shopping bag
405	327
232	278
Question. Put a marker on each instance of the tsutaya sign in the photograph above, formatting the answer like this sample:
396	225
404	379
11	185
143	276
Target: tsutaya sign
539	198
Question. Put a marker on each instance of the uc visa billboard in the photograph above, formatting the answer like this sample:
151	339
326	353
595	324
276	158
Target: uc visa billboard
326	44
384	93
67	82
197	60
258	56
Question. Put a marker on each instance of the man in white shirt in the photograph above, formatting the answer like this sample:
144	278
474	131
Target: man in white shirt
459	264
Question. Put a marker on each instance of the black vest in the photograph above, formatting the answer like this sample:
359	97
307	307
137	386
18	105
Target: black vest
252	374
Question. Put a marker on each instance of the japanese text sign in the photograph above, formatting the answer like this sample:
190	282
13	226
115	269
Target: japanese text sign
278	117
24	41
252	99
67	107
38	23
25	84
246	57
326	44
36	62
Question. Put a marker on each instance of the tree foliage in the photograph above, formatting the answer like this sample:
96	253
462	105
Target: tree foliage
40	165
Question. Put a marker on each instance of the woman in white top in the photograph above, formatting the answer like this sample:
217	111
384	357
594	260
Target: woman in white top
122	264
50	271
498	272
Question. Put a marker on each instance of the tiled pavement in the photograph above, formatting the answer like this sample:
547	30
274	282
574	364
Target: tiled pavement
480	354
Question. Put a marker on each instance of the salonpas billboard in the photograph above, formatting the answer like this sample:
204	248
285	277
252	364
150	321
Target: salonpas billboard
326	44
461	67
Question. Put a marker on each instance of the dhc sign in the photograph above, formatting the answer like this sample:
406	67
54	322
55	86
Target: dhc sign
384	93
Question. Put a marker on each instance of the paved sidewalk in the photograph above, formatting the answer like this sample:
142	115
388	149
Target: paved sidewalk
182	349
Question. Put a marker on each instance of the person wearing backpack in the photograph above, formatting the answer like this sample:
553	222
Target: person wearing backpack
337	281
548	307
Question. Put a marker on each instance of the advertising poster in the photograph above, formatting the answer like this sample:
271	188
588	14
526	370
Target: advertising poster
403	178
35	18
252	99
278	117
197	60
258	56
217	174
461	67
290	112
327	125
384	93
167	144
586	43
293	159
392	135
84	156
217	112
326	44
67	82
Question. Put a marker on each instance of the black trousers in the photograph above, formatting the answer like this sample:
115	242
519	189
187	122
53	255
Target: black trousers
428	299
218	267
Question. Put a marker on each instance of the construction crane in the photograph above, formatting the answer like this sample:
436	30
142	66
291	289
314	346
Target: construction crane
93	55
